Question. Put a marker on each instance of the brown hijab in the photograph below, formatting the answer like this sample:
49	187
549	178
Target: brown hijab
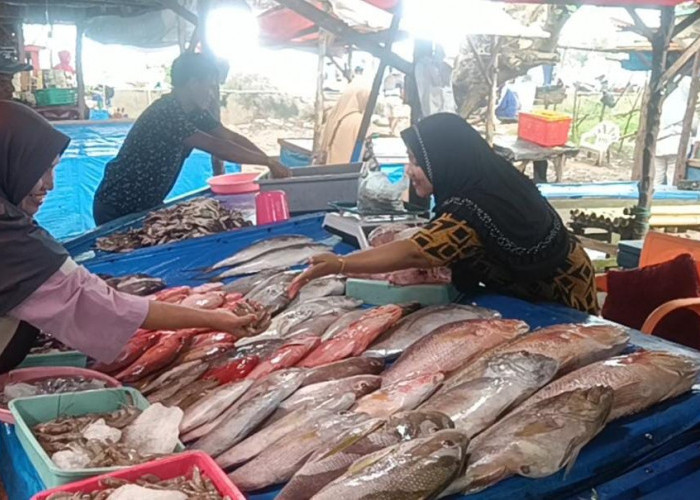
28	254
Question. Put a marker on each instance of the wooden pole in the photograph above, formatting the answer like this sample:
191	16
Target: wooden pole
681	159
493	94
660	43
318	105
80	82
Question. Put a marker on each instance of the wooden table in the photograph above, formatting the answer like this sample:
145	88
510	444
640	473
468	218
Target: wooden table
517	150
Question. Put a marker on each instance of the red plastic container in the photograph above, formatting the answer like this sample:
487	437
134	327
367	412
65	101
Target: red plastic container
234	183
271	206
165	468
38	373
544	128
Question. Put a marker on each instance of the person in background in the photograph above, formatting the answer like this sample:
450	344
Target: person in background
41	287
151	158
64	64
394	98
492	225
343	124
433	79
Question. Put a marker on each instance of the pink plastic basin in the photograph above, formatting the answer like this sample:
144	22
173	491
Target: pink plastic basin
38	373
234	183
165	468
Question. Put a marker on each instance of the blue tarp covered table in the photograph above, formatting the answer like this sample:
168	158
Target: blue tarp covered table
622	445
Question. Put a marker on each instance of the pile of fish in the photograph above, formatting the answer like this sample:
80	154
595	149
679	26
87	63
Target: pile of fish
191	219
124	437
135	284
195	485
48	385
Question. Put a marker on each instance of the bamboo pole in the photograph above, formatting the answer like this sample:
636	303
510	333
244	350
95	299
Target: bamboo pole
79	77
318	104
493	75
681	159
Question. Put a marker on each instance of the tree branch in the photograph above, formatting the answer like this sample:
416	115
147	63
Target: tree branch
639	25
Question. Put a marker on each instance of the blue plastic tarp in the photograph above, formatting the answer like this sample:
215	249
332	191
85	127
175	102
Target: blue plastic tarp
613	190
67	211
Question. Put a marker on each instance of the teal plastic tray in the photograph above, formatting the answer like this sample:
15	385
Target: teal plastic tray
29	412
382	292
67	358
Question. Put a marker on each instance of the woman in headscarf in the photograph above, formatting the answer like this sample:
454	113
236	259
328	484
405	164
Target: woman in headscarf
41	287
492	226
339	134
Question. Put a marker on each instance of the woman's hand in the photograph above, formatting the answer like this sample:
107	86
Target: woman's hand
320	265
226	321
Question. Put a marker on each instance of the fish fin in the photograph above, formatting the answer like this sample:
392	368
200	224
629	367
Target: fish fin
474	481
350	440
368	460
571	455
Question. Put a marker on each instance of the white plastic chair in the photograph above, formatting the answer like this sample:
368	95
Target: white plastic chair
599	139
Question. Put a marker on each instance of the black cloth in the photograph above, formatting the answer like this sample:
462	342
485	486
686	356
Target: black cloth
151	158
28	254
516	225
19	346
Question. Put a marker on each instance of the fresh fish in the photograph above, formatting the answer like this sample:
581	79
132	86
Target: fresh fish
213	404
342	369
273	293
279	461
332	461
232	370
321	287
177	382
355	339
401	396
280	258
205	352
537	441
314	326
286	356
136	284
639	380
261	348
509	379
189	394
572	346
298	419
285	321
209	287
209	300
260	248
417	325
342	323
235	424
246	284
312	395
134	348
413	470
155	358
452	346
212	338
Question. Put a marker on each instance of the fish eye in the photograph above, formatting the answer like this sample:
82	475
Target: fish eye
447	443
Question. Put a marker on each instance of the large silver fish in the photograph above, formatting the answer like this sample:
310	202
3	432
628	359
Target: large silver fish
261	247
280	258
332	460
535	442
452	346
314	326
321	287
213	404
253	445
344	321
509	379
279	461
342	369
400	396
273	293
239	420
417	325
413	470
313	395
285	321
246	284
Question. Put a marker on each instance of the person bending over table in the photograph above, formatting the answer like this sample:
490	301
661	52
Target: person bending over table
151	158
492	225
41	287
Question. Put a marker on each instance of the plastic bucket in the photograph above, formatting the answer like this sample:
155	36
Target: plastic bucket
234	183
271	206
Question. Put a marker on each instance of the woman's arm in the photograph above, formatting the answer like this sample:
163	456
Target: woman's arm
164	316
403	254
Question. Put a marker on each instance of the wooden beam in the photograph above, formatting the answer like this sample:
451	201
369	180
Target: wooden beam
679	63
641	28
686	23
376	85
323	42
80	82
682	158
479	62
493	82
344	32
180	10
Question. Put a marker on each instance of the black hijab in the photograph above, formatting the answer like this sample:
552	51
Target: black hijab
28	254
516	225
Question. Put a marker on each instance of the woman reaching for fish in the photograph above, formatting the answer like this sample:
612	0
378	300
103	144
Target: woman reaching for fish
41	287
492	225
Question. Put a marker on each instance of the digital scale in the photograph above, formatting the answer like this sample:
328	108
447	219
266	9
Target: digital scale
354	226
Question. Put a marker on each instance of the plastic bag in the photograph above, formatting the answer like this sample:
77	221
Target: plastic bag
376	193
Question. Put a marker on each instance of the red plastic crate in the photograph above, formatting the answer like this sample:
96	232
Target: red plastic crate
545	128
165	468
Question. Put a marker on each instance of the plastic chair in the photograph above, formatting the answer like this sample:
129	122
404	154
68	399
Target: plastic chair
599	139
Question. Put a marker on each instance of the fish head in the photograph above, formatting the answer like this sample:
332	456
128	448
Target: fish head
375	365
419	423
530	368
437	460
366	384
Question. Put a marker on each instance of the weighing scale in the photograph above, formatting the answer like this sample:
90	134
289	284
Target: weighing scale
354	226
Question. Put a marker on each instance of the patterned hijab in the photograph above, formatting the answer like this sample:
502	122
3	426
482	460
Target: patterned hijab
28	254
516	225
